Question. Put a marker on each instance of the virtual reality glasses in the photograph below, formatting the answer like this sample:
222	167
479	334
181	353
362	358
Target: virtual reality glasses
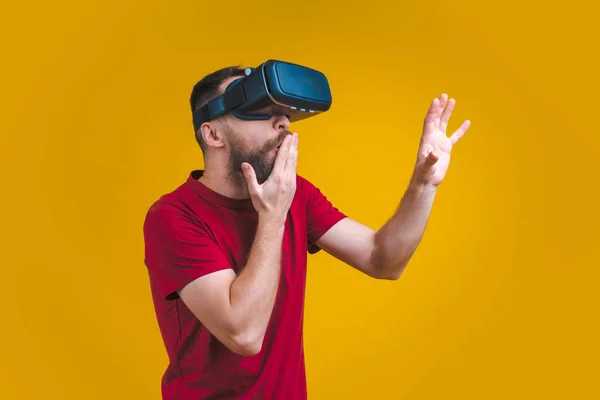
272	88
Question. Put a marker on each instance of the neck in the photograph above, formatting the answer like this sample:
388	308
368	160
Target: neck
225	182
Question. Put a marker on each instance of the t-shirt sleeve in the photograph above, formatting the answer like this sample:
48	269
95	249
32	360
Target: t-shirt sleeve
321	214
178	249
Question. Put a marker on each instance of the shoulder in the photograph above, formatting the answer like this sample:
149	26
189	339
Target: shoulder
301	180
163	217
310	191
171	211
304	185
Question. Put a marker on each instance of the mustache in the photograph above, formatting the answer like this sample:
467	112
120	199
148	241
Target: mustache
279	139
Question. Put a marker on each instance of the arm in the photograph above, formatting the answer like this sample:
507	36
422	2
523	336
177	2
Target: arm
385	253
382	254
397	240
237	309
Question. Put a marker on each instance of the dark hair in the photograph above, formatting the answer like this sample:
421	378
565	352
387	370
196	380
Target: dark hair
208	88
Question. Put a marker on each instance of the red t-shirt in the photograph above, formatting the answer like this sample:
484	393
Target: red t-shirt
194	231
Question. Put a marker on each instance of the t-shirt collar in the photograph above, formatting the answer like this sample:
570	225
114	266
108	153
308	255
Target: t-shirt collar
213	196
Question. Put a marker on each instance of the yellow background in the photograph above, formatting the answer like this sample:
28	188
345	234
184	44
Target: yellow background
501	299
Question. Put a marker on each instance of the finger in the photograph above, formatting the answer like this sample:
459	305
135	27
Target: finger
431	159
443	100
430	118
282	155
443	103
292	160
460	132
446	115
251	180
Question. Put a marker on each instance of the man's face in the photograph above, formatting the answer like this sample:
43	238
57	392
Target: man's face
257	143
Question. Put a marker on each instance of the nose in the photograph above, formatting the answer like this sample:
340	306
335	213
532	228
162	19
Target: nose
281	122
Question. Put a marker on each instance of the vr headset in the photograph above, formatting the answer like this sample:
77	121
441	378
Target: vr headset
274	87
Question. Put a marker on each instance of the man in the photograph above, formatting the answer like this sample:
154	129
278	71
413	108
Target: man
226	251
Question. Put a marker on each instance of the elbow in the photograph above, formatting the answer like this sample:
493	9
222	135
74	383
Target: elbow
246	344
388	273
392	276
243	337
389	276
247	349
382	268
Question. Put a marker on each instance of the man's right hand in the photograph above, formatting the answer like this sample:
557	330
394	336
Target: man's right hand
273	198
237	308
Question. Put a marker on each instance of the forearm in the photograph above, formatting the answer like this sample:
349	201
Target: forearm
254	291
396	241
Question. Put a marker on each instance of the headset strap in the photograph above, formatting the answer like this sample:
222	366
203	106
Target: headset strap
228	101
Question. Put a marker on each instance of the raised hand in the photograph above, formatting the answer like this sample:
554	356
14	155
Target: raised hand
273	198
433	156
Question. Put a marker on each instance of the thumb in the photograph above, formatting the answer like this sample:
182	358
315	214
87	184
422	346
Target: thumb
250	176
431	158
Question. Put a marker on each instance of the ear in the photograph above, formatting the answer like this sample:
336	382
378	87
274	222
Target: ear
212	134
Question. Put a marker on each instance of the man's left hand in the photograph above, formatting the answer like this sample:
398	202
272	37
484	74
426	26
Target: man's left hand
435	147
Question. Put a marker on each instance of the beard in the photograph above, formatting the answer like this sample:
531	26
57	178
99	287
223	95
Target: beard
261	160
